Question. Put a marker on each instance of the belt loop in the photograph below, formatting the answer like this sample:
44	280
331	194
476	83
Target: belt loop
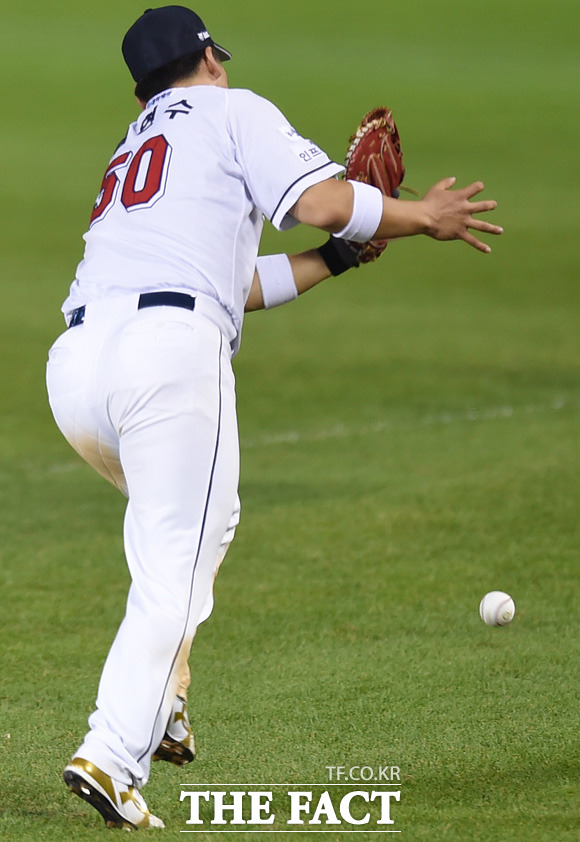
77	317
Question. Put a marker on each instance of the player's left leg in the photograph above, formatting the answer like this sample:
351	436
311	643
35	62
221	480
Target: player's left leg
70	371
156	390
178	743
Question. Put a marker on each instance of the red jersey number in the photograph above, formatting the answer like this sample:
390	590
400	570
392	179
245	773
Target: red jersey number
143	182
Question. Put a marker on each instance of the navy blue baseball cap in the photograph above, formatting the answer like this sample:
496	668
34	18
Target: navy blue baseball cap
163	35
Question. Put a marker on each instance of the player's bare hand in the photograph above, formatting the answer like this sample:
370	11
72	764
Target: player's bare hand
451	213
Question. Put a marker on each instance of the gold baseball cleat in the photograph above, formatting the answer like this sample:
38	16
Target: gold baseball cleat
120	805
178	744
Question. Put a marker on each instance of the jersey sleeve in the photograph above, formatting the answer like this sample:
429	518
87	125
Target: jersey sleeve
277	162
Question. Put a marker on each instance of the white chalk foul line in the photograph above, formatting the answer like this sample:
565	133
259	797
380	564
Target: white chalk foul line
338	431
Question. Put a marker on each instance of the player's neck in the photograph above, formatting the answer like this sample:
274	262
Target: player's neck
195	79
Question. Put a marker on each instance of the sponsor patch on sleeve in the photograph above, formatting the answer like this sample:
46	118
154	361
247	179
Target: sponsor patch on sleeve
312	151
290	132
304	149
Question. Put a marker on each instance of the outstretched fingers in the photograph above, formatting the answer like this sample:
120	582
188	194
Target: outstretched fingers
472	189
485	228
483	207
471	240
479	225
453	213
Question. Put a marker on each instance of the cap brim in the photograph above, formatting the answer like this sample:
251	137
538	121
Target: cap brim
223	54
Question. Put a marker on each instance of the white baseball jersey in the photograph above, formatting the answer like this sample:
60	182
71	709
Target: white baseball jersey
183	200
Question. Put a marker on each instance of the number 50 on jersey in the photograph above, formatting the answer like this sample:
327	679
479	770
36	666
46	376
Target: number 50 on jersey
136	179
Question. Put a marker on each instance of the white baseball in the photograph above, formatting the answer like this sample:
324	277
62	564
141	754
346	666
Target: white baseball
497	608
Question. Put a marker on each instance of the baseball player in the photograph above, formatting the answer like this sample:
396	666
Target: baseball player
141	382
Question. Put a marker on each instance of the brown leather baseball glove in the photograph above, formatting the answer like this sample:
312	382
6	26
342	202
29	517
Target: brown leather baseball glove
375	157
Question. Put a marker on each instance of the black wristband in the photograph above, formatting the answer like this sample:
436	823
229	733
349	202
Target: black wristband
338	256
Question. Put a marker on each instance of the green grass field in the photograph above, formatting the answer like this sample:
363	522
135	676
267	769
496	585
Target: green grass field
410	435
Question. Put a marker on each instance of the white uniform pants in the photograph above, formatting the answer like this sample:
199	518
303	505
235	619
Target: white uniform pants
147	398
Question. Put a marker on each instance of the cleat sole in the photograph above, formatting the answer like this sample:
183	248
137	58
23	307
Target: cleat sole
77	784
